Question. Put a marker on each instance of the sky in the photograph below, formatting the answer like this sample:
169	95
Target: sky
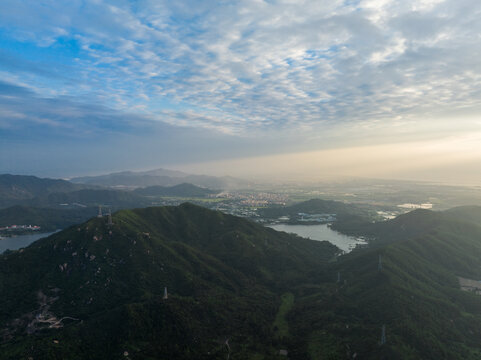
295	89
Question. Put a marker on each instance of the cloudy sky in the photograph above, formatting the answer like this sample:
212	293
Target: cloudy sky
376	88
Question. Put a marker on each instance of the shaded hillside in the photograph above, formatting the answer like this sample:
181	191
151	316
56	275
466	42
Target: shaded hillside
181	190
47	219
18	188
466	213
413	223
224	276
415	293
229	278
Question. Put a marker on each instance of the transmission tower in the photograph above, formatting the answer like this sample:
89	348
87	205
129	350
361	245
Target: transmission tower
110	223
383	335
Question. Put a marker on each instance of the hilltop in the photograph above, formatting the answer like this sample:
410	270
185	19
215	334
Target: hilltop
224	276
409	283
96	291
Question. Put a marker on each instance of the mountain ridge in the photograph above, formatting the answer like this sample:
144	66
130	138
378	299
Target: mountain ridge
160	177
180	190
228	267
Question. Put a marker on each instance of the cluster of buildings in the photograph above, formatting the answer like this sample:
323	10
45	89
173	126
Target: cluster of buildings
256	199
320	218
20	227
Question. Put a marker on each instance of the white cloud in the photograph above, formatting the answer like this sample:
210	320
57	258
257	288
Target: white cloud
258	64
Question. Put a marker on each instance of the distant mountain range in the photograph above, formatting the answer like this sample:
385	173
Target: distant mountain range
17	188
53	204
181	190
160	177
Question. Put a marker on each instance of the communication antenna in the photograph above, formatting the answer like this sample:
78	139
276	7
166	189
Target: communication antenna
100	212
166	295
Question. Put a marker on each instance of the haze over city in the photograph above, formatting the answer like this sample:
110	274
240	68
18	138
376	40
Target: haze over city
291	89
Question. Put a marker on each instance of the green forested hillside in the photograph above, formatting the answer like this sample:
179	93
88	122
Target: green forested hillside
224	276
415	293
47	219
466	213
231	279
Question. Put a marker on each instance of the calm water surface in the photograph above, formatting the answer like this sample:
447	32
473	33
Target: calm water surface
17	242
321	232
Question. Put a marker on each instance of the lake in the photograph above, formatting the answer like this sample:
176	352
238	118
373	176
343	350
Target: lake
321	232
17	242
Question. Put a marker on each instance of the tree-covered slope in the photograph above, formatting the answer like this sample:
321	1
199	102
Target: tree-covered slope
47	219
415	293
466	213
231	279
105	285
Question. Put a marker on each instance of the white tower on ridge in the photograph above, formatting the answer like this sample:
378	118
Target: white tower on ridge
110	223
383	335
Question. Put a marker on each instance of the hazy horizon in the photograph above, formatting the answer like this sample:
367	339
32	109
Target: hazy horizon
298	90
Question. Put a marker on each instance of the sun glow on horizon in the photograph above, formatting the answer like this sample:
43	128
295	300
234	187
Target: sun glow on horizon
432	160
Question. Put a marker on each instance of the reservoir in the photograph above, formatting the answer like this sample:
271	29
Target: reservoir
321	232
17	242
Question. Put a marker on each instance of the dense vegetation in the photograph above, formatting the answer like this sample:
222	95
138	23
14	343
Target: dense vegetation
415	293
231	279
47	219
225	277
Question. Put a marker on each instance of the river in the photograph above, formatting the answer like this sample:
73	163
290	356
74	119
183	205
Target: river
321	232
17	242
